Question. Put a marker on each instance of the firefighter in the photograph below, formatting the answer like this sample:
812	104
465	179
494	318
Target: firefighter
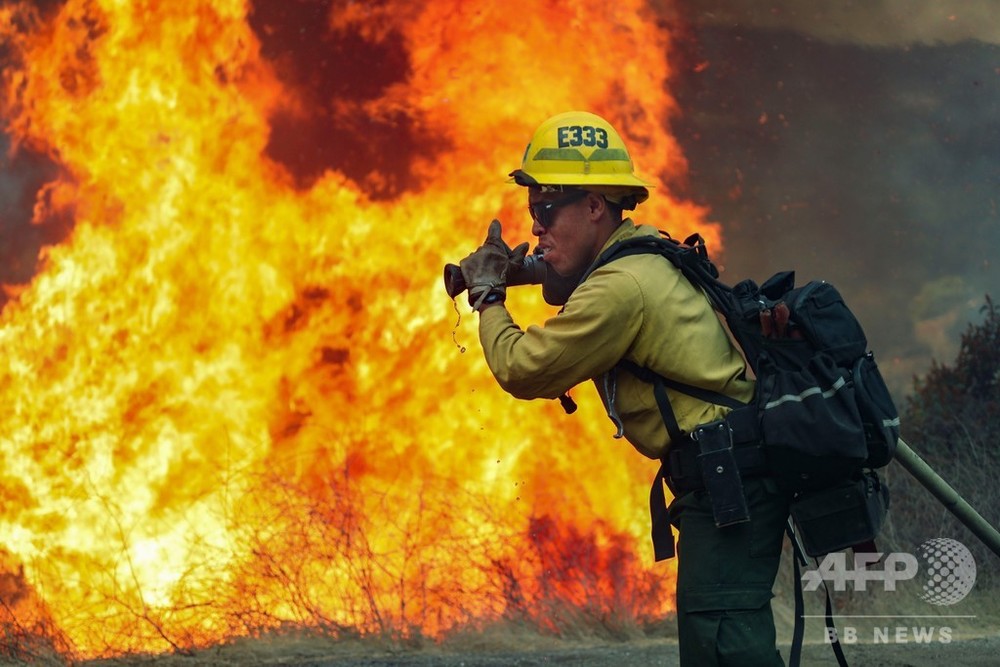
580	179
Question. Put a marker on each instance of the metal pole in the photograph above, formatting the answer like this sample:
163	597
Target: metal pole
948	496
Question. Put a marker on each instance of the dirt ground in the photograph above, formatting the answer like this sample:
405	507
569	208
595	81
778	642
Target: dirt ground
980	652
959	652
977	652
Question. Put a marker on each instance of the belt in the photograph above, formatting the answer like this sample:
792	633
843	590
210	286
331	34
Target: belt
684	471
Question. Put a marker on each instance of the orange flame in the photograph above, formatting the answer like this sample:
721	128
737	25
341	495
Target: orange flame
234	398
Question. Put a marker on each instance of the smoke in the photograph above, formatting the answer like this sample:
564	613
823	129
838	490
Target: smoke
887	23
336	75
23	175
873	168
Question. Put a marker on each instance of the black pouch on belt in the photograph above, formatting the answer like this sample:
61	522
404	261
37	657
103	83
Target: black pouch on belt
847	515
720	473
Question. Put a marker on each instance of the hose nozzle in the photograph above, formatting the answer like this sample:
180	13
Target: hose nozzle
531	272
534	271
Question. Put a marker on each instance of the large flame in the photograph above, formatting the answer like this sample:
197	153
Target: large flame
236	396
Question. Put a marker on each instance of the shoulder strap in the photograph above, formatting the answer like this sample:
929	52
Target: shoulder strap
691	258
684	256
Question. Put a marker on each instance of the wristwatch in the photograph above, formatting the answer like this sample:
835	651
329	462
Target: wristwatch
493	297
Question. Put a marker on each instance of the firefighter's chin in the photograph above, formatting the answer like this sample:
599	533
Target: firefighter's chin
552	260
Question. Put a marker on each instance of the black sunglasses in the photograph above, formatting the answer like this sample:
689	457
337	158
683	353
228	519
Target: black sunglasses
543	212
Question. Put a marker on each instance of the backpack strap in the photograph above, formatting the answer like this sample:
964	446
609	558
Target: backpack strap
691	257
795	653
661	532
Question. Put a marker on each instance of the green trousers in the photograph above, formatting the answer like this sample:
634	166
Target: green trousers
725	577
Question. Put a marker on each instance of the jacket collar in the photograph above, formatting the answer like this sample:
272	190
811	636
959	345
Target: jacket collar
628	229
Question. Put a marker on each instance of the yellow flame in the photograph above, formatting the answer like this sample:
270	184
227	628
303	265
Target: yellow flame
232	402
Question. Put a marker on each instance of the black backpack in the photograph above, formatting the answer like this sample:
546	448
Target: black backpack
821	411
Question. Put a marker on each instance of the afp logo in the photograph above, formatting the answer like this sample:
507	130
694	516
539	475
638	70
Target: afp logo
949	571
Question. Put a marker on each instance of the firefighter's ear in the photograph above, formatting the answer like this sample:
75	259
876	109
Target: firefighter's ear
596	205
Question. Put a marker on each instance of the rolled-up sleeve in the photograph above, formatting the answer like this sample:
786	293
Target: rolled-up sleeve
588	337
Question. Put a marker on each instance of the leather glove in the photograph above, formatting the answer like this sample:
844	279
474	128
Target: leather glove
485	270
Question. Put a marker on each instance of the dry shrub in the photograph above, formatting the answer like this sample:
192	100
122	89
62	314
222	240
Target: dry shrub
27	633
351	562
952	421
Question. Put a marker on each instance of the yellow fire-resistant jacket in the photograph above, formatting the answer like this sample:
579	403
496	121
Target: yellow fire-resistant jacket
640	308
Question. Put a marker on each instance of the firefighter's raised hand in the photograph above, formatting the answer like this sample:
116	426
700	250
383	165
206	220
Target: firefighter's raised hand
485	270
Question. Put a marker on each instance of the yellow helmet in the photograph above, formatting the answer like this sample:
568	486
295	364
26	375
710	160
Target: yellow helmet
581	149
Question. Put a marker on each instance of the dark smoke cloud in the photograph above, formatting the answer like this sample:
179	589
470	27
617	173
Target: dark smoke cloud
875	168
867	22
23	174
337	75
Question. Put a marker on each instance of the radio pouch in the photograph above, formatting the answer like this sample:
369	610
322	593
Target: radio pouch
721	474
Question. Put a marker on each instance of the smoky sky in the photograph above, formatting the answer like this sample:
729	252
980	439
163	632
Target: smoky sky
892	23
876	168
